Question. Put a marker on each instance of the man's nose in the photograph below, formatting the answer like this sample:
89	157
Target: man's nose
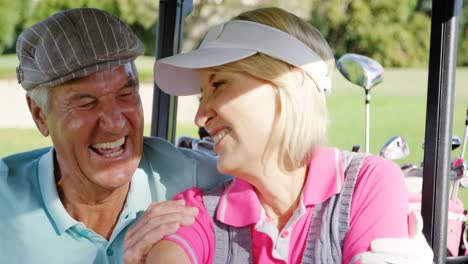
112	119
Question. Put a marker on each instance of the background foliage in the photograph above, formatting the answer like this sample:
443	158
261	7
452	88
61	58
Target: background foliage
140	15
463	36
12	15
394	32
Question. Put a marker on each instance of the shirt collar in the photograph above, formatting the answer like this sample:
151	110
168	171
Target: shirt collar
138	198
48	188
240	206
325	176
139	195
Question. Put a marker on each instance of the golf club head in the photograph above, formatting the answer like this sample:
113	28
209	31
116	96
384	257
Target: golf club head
458	169
356	148
184	142
203	145
408	166
456	142
464	182
395	148
360	70
413	172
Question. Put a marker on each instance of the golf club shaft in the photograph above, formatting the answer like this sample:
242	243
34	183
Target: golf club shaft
465	135
368	98
456	184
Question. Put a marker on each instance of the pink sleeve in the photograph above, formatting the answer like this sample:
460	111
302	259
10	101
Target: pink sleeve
196	240
379	206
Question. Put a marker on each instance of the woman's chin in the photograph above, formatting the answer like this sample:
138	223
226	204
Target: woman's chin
224	166
222	169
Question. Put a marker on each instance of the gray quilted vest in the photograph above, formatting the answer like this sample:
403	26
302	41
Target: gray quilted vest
330	223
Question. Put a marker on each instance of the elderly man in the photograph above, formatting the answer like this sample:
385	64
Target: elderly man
72	203
75	201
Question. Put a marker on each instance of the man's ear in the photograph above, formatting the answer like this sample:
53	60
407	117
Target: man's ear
38	116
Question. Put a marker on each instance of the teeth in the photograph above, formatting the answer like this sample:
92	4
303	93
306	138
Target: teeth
220	134
110	145
114	154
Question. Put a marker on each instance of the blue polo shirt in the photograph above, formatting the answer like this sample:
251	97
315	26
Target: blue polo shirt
36	228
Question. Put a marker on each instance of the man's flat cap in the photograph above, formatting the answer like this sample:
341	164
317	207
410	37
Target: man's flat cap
71	44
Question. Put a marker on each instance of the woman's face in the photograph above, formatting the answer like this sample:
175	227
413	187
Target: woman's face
239	111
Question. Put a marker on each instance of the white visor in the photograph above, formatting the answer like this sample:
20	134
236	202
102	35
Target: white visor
233	41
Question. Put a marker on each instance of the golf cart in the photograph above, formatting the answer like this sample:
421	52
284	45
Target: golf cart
439	109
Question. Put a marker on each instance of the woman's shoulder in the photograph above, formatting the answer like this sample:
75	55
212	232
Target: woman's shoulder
197	240
370	162
192	197
376	166
379	205
195	196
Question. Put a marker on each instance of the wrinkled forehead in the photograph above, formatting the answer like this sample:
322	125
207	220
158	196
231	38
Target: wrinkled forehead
115	78
119	72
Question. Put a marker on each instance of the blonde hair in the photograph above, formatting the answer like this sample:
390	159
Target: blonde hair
303	120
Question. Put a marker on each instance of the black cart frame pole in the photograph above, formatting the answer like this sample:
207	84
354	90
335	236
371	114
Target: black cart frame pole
168	42
441	83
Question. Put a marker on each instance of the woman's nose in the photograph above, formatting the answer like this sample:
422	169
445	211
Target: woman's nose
204	114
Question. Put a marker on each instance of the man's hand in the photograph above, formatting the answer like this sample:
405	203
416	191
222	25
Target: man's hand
414	250
159	220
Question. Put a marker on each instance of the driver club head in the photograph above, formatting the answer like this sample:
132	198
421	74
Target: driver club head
395	148
360	70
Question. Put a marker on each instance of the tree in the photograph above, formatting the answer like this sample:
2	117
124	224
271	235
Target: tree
391	31
207	13
140	15
12	14
463	37
462	56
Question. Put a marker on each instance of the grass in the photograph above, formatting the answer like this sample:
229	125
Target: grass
21	139
8	65
398	107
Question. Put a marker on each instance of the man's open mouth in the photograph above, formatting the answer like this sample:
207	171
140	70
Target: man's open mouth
109	149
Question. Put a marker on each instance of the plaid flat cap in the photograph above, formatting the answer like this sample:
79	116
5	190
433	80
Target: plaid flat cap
71	44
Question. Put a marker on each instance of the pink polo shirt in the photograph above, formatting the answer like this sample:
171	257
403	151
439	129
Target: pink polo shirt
379	209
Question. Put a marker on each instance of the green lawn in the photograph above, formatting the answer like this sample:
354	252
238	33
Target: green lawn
8	65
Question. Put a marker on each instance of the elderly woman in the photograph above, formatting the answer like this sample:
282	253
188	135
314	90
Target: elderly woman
264	77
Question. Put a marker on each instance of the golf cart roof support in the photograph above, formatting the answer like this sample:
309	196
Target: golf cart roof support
441	83
168	38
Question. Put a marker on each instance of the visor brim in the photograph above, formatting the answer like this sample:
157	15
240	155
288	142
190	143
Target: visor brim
178	75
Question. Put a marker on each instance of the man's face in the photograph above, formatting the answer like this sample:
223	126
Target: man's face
96	126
